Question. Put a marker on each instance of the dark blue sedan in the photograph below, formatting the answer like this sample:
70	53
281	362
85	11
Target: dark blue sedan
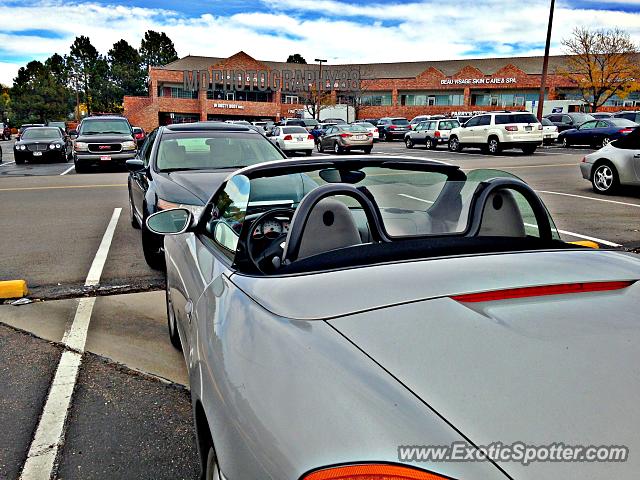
597	133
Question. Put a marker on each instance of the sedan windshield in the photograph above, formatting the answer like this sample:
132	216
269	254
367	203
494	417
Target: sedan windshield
41	134
213	150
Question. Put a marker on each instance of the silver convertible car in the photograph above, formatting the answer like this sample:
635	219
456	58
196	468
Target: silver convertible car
341	318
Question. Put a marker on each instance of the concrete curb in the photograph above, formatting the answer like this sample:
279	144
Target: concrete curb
13	288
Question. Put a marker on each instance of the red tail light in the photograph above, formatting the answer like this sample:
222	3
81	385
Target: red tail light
625	130
375	130
372	471
511	128
584	160
288	137
562	289
392	127
309	137
369	134
345	135
437	134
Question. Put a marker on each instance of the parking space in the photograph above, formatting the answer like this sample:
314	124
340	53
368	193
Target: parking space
131	414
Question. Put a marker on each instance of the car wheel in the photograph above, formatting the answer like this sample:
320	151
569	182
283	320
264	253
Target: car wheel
152	250
604	178
493	146
308	152
319	147
565	142
368	150
211	470
132	217
605	141
387	137
337	149
408	142
428	143
454	144
528	150
19	161
80	168
174	336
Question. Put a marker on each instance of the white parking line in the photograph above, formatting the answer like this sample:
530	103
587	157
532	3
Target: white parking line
50	432
4	164
68	170
590	198
414	198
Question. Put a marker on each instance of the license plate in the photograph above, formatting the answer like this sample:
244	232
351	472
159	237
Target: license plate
548	136
299	139
528	129
360	137
37	154
105	158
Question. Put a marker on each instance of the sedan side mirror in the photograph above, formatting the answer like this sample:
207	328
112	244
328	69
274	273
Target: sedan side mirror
135	165
170	222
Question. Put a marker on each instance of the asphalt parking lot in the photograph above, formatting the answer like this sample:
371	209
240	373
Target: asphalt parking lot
131	414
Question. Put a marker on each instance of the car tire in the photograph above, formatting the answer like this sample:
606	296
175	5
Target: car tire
604	142
408	142
153	254
493	146
80	168
428	143
604	178
565	142
337	149
455	145
367	150
319	147
387	137
172	326
19	161
308	152
529	150
211	469
132	217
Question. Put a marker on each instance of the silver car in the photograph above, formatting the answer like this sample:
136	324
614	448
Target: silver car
615	164
333	312
430	133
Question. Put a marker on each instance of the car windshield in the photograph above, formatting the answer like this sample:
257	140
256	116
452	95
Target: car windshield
213	150
100	127
294	130
37	133
400	121
579	118
354	128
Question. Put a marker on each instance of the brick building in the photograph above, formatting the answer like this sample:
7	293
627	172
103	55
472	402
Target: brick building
402	89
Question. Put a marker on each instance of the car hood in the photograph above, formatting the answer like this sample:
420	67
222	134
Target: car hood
200	184
544	370
570	131
104	138
325	295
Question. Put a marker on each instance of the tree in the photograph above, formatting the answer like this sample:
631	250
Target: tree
85	65
296	58
5	104
125	69
37	95
157	49
604	63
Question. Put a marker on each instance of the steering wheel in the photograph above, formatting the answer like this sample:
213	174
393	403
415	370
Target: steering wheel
263	261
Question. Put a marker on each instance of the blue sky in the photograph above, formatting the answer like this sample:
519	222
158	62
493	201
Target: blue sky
342	31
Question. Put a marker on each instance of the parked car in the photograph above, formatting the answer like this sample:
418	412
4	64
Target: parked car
61	125
462	119
139	135
310	123
264	124
615	164
430	133
497	131
392	128
633	116
371	128
599	115
319	130
181	165
366	323
338	121
103	141
567	121
549	131
27	125
292	139
238	122
344	138
42	143
421	118
597	133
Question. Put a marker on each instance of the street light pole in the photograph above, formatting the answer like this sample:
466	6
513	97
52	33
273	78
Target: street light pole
320	88
545	64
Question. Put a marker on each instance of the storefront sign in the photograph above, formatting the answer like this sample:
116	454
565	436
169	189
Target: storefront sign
478	81
228	105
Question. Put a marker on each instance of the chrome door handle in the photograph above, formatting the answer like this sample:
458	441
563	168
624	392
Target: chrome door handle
188	309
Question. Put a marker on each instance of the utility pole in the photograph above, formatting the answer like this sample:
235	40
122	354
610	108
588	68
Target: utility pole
545	64
321	86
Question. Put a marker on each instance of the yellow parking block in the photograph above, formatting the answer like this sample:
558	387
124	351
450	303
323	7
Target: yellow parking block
586	243
13	289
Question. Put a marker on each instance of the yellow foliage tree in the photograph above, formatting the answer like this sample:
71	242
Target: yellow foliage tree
603	63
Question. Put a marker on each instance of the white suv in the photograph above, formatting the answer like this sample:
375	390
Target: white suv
496	131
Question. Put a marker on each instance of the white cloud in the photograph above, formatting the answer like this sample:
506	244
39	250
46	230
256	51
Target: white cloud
8	71
378	32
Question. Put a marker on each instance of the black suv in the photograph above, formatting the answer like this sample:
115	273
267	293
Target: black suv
567	121
106	140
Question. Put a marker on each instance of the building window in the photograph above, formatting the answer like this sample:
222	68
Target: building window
177	92
290	98
431	101
378	99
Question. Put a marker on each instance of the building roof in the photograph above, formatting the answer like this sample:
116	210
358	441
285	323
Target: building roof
488	66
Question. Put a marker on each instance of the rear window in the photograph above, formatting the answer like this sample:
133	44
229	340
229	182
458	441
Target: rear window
294	130
515	118
621	122
310	122
448	125
400	121
547	123
354	128
98	127
296	122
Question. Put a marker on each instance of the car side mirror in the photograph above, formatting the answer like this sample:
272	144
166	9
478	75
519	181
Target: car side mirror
73	134
135	165
170	222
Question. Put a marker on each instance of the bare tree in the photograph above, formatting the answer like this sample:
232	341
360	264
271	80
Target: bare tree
603	63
